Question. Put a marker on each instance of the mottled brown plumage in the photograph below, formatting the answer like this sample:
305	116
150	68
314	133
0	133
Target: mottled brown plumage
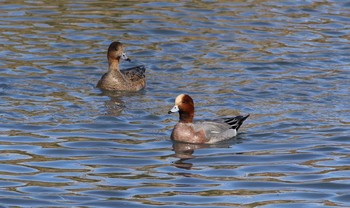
131	79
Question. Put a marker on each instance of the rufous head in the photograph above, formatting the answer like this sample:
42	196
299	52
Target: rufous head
185	106
116	52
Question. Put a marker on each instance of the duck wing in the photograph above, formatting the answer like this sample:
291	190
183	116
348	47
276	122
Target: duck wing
220	129
135	74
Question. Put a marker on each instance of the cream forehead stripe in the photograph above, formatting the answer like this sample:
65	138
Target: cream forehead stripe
179	99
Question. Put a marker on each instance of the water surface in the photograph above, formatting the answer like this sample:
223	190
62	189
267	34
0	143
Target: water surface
65	143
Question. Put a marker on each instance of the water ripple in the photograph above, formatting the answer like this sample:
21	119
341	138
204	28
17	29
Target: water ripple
65	143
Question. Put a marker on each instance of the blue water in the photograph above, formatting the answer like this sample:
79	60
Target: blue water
64	143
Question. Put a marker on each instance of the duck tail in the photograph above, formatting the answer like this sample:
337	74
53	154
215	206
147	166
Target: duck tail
236	122
141	68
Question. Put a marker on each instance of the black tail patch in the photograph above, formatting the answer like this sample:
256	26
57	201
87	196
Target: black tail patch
236	122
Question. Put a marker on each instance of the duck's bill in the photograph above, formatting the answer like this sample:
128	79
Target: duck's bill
174	109
125	57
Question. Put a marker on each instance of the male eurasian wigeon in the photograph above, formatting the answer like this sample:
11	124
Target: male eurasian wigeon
131	79
205	131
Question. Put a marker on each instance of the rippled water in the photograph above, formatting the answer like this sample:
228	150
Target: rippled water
65	143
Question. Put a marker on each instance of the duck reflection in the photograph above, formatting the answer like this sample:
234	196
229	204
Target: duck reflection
184	151
116	104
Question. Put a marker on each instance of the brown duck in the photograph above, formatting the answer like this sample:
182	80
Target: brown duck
131	79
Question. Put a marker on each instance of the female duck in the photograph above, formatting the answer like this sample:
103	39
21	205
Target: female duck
131	79
201	132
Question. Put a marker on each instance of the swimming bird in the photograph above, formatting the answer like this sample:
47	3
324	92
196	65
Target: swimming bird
131	79
210	131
